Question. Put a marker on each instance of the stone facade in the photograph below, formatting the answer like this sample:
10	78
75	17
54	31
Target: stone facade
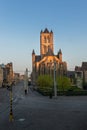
79	79
44	63
1	76
82	70
7	73
9	69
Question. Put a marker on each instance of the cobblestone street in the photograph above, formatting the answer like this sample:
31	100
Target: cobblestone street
36	112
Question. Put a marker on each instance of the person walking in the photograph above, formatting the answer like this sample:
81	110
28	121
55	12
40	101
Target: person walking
26	82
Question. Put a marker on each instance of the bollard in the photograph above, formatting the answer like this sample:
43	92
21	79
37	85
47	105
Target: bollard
50	95
11	112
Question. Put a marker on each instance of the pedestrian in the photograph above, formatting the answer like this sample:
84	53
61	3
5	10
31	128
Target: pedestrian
25	91
26	83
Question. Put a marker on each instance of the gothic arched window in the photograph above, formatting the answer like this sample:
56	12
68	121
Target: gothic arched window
48	39
45	39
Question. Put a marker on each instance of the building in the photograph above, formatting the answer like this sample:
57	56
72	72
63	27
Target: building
16	77
47	61
71	76
81	75
7	75
9	71
84	69
79	79
1	76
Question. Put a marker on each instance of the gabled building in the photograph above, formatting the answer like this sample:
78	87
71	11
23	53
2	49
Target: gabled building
47	61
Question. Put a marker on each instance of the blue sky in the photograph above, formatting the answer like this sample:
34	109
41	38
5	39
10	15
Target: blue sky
22	20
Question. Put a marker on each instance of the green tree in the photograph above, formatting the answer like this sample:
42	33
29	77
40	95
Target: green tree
63	83
45	82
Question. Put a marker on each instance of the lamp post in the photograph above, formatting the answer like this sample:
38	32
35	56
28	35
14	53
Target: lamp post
55	89
26	81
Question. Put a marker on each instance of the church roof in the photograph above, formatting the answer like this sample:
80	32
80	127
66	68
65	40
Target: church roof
33	52
60	52
51	31
46	30
84	65
37	58
50	52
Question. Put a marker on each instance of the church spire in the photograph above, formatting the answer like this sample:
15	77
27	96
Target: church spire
46	30
60	54
33	52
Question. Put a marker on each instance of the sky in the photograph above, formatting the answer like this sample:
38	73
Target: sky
22	20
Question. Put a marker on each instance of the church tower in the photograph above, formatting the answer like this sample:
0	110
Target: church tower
46	42
43	64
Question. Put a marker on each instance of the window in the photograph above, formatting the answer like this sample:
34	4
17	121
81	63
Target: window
48	39
45	39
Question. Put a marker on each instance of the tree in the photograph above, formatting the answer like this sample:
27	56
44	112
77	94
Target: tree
63	83
45	82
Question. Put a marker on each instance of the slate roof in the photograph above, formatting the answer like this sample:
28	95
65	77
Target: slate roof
50	52
84	65
37	58
78	68
33	52
46	30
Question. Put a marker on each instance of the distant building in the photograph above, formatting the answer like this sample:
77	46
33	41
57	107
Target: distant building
22	77
16	77
81	74
79	79
9	71
84	69
6	73
71	76
1	76
45	62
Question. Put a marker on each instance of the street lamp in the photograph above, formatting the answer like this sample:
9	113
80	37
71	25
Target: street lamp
26	81
55	89
53	65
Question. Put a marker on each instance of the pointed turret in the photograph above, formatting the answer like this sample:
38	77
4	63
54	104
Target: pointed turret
41	31
33	56
46	30
33	52
60	54
51	31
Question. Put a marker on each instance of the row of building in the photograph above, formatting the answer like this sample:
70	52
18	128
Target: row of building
7	75
47	61
78	77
